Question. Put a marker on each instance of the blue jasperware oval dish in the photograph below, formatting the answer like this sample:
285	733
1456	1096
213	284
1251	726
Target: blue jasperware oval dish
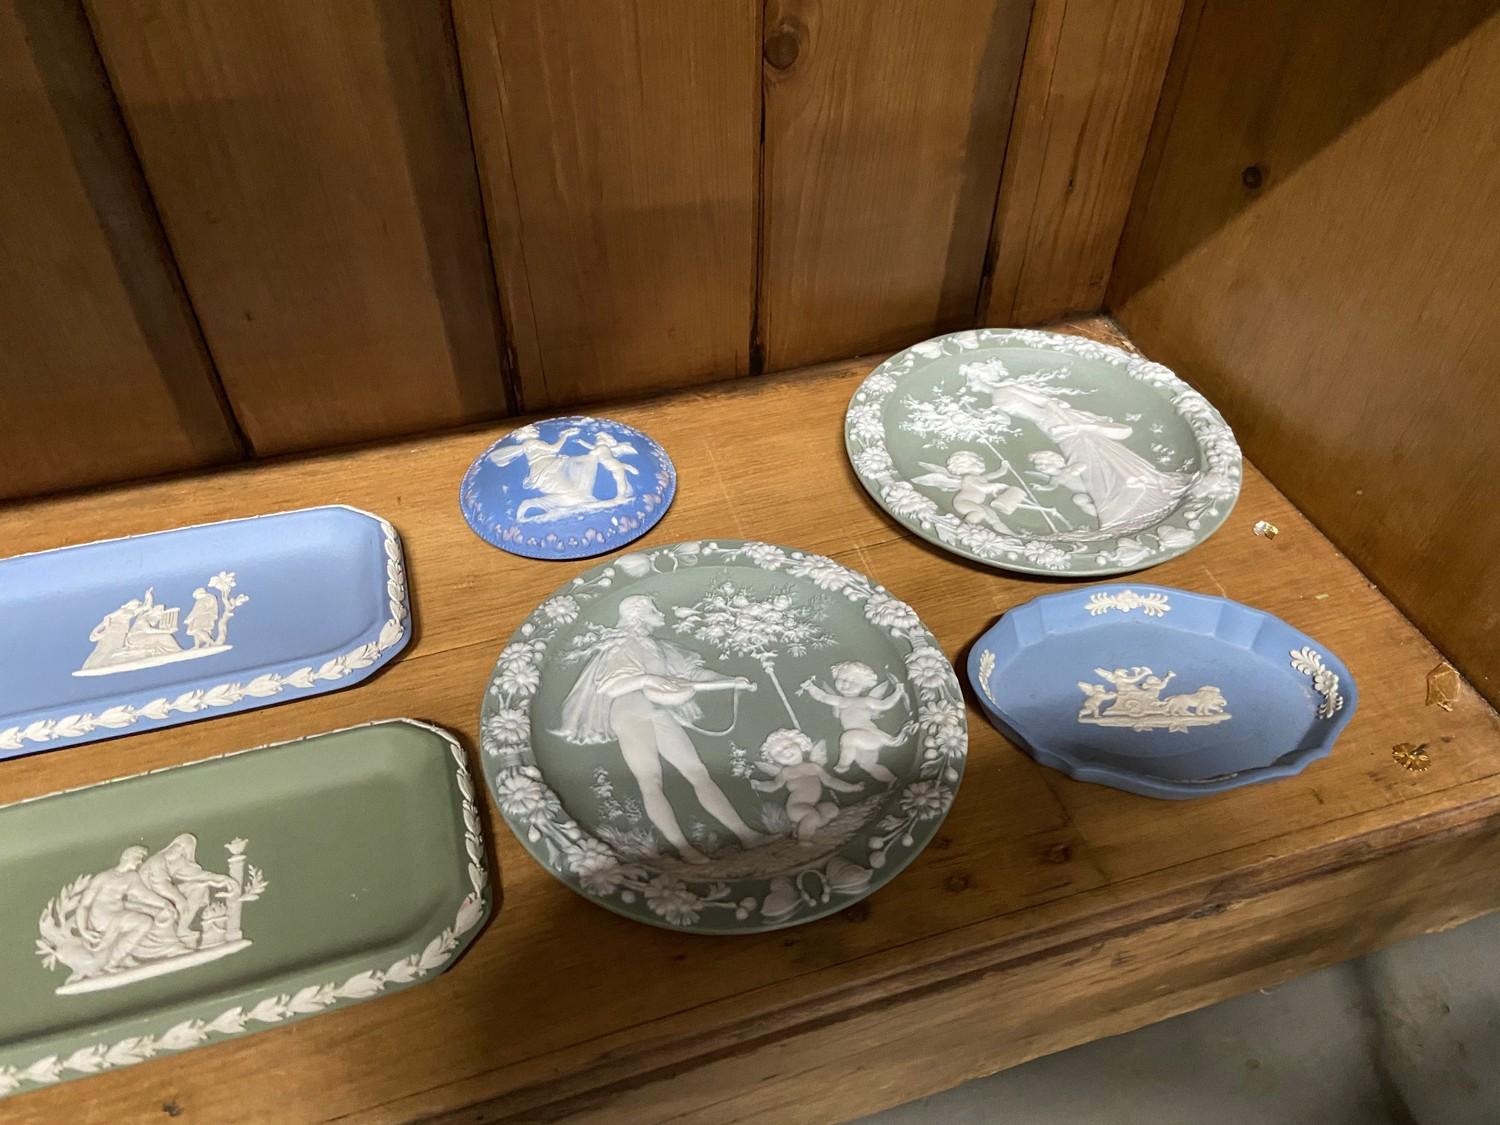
1160	691
568	488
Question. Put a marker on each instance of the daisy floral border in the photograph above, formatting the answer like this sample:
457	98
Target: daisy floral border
865	439
592	868
436	954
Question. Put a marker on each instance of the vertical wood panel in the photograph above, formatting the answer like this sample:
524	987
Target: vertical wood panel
618	141
102	373
314	173
1315	245
885	128
1089	89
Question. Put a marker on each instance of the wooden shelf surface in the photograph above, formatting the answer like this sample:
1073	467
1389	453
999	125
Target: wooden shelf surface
1046	913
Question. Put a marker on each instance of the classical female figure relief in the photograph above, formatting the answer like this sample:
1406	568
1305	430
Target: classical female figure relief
1134	699
149	914
143	633
1109	481
566	481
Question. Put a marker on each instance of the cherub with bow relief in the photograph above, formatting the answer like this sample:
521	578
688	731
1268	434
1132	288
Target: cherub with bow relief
980	497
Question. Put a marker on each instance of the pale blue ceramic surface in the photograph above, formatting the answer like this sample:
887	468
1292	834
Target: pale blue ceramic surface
324	606
568	488
1243	710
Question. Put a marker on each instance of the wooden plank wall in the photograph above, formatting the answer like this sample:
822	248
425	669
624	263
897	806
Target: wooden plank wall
102	372
238	230
1089	89
1314	238
313	169
883	145
619	140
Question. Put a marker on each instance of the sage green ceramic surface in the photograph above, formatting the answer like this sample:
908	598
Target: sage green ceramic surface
723	737
150	914
1042	453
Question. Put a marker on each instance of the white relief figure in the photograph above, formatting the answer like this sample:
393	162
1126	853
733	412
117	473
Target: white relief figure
1050	470
146	916
858	696
151	631
142	633
607	452
202	618
1136	702
1126	490
640	691
980	497
795	762
566	481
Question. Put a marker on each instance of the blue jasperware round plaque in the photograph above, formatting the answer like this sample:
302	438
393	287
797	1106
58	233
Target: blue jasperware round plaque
568	488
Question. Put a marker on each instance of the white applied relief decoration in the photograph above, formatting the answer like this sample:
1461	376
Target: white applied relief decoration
986	670
641	690
1325	680
1133	699
1152	605
148	915
1097	497
275	1008
142	633
566	481
264	686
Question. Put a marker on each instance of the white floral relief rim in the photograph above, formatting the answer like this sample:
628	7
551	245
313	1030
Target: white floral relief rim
1098	477
663	890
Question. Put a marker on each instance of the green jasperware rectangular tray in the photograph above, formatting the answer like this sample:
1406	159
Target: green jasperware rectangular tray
155	913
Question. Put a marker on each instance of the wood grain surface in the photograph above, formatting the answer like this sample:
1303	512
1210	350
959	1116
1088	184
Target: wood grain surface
314	174
1045	913
884	135
104	373
619	143
1315	239
1089	88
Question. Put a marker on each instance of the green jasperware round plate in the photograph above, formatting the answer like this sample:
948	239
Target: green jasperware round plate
723	737
1042	453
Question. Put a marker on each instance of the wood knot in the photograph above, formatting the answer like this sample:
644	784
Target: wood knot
956	883
1058	853
782	47
1253	176
859	912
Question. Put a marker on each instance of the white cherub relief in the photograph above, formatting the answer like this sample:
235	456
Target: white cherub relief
980	497
796	762
857	698
1137	702
607	452
1050	470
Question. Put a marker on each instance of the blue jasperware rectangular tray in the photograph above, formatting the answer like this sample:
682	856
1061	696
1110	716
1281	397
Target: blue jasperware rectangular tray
123	635
1159	691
